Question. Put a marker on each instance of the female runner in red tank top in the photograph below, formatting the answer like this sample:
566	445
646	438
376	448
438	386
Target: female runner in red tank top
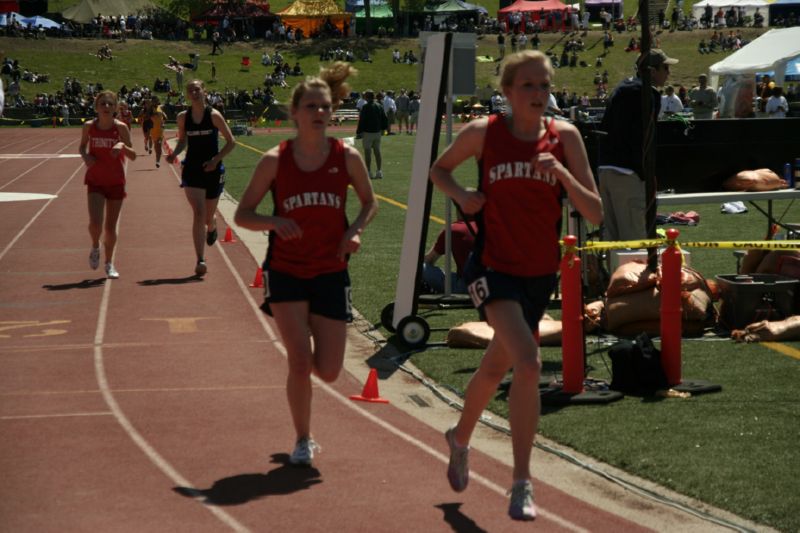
526	162
105	143
307	287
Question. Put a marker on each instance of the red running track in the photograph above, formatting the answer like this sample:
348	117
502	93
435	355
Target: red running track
156	402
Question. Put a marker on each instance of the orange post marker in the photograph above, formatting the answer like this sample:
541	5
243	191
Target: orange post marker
229	236
370	392
258	281
572	318
671	326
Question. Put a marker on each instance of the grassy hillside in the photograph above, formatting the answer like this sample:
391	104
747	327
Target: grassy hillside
140	62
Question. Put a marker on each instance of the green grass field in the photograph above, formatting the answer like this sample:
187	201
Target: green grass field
733	449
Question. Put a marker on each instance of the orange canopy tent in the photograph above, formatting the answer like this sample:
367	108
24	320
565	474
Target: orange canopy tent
311	15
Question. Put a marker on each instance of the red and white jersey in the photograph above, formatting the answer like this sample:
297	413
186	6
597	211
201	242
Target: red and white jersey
107	169
520	224
316	201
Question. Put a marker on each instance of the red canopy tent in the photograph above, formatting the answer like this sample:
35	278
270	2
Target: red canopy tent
9	6
536	10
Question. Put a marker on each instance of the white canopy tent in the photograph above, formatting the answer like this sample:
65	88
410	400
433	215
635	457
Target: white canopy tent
748	6
770	52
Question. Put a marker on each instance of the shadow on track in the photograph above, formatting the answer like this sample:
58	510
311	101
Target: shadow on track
85	284
458	520
236	490
170	281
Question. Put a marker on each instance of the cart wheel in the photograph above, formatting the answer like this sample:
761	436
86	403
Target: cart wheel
414	331
386	317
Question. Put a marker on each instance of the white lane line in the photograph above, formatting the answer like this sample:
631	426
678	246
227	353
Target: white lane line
55	415
151	453
563	522
39	156
24	196
39	212
34	167
162	464
22	141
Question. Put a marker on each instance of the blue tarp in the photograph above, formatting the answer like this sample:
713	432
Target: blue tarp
37	20
792	70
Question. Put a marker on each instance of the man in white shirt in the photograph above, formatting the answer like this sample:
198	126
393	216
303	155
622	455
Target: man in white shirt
777	104
670	103
390	108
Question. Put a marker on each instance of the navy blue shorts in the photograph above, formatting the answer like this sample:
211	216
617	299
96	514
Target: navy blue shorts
532	293
328	295
213	182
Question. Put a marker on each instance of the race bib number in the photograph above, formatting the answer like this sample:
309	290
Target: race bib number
479	291
348	300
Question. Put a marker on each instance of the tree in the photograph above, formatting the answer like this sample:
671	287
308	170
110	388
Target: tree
185	9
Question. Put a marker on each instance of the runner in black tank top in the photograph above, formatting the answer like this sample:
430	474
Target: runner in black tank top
203	175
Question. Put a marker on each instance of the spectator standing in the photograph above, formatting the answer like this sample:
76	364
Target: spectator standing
402	102
670	103
777	104
703	99
622	186
216	43
413	112
390	108
371	125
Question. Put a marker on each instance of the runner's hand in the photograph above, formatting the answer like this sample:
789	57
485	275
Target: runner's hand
287	229
471	201
349	245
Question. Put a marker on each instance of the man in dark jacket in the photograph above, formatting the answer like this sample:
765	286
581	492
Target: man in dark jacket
372	122
622	186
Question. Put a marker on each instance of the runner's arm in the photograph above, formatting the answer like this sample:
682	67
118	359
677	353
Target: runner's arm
181	121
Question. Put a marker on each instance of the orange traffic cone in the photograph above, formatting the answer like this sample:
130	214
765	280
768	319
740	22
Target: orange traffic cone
258	281
229	236
370	392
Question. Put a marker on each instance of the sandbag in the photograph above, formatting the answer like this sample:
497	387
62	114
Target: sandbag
653	328
630	277
762	179
478	334
766	331
646	305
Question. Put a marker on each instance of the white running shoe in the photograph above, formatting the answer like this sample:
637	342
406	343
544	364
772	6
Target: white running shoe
379	175
458	467
522	506
304	451
111	272
94	258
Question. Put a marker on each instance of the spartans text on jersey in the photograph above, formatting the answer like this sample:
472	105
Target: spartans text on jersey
519	169
312	199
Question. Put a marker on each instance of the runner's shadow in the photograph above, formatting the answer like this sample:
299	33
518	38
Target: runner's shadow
85	284
458	520
236	490
170	281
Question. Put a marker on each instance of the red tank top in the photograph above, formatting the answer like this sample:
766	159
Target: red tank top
521	219
107	169
316	201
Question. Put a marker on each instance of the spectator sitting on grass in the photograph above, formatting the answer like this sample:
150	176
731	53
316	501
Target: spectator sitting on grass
297	71
104	53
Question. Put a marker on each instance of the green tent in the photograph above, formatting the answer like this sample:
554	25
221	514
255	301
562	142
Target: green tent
379	11
380	15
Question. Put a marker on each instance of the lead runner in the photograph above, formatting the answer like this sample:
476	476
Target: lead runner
526	162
